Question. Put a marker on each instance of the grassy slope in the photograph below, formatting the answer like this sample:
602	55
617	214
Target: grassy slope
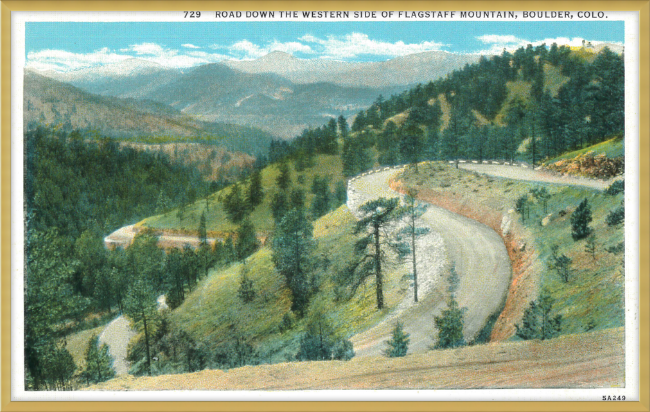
614	147
261	217
77	344
213	306
595	291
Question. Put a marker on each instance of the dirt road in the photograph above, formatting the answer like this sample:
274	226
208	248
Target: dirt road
477	252
537	175
123	237
117	335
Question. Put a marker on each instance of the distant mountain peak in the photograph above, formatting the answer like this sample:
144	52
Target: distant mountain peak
277	55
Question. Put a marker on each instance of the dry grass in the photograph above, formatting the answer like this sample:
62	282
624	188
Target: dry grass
591	360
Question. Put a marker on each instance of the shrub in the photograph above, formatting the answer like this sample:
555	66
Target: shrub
580	220
398	344
616	216
615	188
537	322
450	326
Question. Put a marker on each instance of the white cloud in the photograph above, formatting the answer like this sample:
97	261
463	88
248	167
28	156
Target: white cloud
358	44
151	49
497	38
190	46
62	60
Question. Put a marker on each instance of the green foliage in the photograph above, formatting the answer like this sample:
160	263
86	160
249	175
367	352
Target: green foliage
297	199
98	363
247	242
450	326
293	247
537	322
412	211
255	192
355	156
49	302
590	246
246	290
320	343
284	178
58	367
203	233
615	188
322	196
541	195
234	205
522	206
561	263
616	216
397	346
580	220
279	206
140	306
378	214
453	279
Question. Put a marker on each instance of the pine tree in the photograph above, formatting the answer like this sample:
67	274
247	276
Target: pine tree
560	263
412	212
378	214
284	178
293	247
255	193
203	232
140	306
247	242
590	246
450	326
246	290
537	322
580	220
234	205
398	343
279	207
98	362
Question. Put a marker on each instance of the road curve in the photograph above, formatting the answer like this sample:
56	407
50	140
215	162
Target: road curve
476	250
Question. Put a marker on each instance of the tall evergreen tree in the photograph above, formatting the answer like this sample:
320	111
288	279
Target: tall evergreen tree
255	193
378	214
412	211
98	362
293	247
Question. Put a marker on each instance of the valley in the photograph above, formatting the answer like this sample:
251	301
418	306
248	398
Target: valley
306	232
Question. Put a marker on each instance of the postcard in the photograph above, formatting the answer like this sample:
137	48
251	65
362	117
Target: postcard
325	205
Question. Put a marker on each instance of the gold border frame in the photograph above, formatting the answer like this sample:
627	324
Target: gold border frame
643	7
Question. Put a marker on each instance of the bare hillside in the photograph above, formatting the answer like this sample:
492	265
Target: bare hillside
590	360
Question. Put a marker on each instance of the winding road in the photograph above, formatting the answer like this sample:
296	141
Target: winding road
477	251
536	175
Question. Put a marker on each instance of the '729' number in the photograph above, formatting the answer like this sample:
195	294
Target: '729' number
192	14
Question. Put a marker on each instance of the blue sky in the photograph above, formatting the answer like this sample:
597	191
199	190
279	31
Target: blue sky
65	46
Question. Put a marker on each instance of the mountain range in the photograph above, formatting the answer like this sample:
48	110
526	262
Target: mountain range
277	93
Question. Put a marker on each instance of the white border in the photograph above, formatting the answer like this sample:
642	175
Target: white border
631	391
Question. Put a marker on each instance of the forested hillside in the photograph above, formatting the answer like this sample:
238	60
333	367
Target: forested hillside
76	193
533	104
